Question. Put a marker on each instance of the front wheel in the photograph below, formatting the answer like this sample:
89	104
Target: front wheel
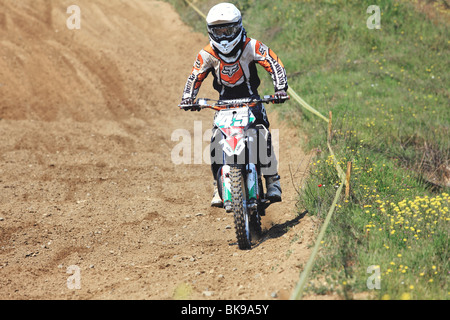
241	217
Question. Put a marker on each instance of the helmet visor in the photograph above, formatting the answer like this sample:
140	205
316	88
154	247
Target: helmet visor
225	32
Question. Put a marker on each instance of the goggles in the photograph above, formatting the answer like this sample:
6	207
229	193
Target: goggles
225	32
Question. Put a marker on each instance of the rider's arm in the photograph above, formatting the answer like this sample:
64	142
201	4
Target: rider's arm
199	72
270	61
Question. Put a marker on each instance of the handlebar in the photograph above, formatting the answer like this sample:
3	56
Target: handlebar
202	103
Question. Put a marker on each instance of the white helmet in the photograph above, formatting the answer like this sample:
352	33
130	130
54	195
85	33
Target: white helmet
224	23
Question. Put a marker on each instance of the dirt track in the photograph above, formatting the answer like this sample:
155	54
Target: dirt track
86	176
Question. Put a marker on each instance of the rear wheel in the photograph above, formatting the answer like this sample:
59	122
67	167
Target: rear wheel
255	219
241	217
255	226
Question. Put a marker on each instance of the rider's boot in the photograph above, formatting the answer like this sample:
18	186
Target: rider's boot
216	200
273	188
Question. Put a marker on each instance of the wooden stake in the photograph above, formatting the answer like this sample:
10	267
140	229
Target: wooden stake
347	179
329	125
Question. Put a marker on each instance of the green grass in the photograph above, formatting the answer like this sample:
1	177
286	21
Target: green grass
388	91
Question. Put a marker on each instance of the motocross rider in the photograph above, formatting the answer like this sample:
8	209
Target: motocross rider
231	57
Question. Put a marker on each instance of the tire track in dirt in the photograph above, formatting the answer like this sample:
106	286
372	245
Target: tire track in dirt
86	176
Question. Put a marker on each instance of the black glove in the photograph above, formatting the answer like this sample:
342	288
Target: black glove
187	102
280	96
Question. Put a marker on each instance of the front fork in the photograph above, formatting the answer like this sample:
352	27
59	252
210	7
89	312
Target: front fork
226	188
252	185
251	176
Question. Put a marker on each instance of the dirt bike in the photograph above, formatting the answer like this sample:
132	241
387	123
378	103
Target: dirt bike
239	178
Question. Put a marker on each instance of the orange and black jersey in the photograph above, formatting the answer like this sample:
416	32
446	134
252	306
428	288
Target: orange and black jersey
238	79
